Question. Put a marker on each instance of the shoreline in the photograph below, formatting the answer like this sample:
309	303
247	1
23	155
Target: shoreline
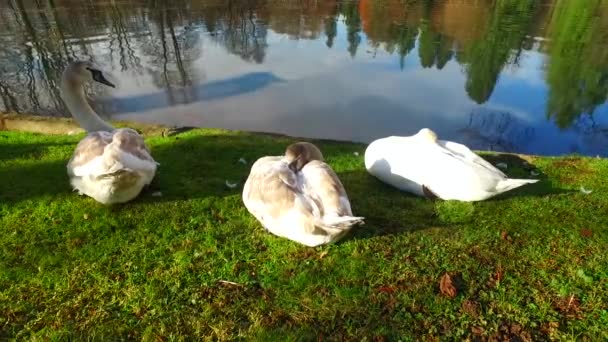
29	123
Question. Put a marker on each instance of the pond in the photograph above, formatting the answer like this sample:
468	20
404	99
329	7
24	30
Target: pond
524	76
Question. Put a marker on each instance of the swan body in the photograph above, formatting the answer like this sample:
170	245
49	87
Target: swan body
299	197
110	165
425	166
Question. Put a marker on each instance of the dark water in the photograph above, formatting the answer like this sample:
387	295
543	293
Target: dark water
526	76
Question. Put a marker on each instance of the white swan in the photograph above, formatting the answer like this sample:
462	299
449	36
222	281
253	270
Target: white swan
425	166
299	197
109	165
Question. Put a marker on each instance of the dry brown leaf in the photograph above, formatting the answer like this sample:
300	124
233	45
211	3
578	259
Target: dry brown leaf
586	233
477	331
446	286
511	332
496	277
379	338
386	289
505	236
470	307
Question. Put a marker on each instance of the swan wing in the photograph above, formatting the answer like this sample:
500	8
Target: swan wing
272	190
128	151
129	141
88	151
463	152
322	184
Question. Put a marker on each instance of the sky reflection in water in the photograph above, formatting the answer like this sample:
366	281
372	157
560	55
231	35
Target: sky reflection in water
517	75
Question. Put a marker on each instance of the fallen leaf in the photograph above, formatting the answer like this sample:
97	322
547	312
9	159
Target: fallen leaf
386	289
470	307
516	328
446	286
477	331
586	233
504	235
585	191
496	277
323	254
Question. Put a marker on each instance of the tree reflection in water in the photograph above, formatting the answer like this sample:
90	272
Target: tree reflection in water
160	44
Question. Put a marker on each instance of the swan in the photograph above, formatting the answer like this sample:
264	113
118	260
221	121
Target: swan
110	165
426	166
299	197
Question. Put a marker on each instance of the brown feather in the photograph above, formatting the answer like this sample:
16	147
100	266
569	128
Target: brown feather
89	148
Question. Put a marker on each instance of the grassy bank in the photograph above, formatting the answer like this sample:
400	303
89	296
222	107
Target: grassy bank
530	264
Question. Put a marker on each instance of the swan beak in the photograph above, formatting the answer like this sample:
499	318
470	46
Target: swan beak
99	77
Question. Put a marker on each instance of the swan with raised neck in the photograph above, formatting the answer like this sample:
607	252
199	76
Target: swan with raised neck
73	79
110	165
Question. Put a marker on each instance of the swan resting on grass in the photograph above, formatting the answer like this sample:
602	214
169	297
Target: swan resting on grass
110	165
299	197
426	166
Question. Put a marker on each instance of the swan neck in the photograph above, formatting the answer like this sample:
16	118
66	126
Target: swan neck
75	99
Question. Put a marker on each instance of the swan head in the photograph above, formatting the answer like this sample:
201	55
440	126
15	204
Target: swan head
81	72
428	135
299	154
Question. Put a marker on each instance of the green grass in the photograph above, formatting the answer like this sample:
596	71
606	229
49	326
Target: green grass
529	264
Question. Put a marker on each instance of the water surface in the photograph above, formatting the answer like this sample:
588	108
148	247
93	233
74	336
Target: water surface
522	76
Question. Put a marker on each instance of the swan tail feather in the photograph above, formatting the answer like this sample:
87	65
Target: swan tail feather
122	178
341	222
510	184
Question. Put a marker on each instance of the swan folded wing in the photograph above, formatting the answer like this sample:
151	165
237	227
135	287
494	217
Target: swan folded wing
466	170
127	152
275	192
102	154
88	151
129	141
323	185
469	155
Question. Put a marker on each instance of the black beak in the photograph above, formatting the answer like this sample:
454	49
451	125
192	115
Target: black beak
98	77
